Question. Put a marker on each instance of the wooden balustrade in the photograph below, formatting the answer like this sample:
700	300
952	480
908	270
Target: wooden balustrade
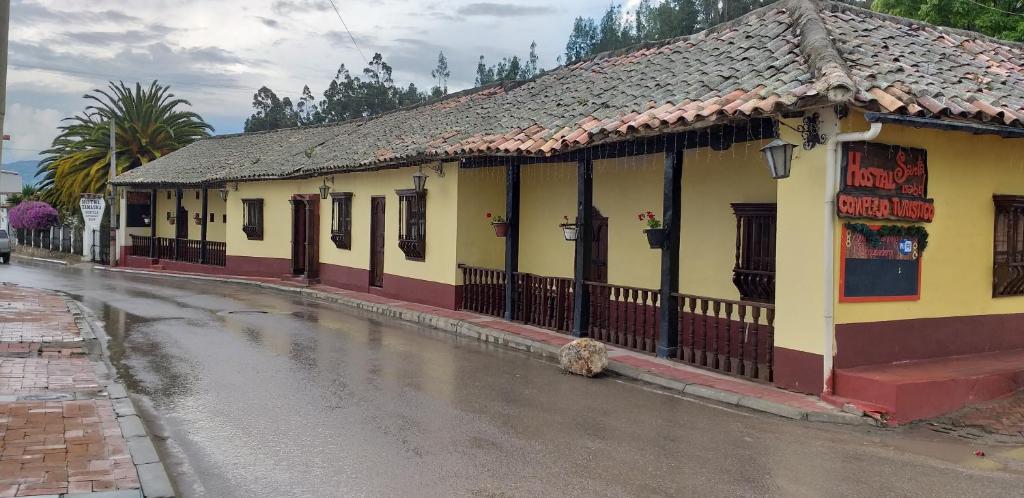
187	250
544	301
216	253
624	316
734	337
483	290
141	245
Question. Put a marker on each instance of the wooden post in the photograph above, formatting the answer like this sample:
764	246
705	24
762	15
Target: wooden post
584	241
512	238
152	225
177	222
668	326
202	227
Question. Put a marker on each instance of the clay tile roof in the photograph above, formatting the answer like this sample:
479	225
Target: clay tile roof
790	55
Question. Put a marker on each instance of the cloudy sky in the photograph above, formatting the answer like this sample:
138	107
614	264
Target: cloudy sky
216	53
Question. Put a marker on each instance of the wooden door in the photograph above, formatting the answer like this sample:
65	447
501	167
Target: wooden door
599	248
181	228
377	241
298	237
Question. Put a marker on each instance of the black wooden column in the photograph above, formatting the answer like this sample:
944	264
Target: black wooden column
584	243
178	221
512	238
202	227
152	225
668	326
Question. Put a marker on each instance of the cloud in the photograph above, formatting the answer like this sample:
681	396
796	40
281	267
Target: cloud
503	10
289	7
31	130
33	12
268	22
151	33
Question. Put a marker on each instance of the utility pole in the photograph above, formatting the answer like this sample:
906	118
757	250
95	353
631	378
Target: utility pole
112	257
5	23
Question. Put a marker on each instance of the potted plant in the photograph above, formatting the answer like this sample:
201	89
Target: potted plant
656	233
499	223
568	229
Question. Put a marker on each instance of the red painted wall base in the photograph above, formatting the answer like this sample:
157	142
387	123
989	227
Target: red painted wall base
798	370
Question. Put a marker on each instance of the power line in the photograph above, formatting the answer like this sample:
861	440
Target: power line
992	7
336	11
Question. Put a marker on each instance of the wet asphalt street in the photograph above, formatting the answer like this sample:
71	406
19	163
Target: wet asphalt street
267	394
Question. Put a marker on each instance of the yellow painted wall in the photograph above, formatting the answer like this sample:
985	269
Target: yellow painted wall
215	230
624	187
799	246
547	193
712	180
481	191
964	171
442	202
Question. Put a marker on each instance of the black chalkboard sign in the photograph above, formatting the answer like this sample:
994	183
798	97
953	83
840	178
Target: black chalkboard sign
890	270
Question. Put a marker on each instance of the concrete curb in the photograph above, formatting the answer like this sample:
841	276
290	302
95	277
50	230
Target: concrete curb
47	260
471	330
153	476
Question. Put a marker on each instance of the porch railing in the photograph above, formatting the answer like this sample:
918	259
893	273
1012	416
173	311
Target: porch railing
187	250
544	301
624	316
734	337
483	290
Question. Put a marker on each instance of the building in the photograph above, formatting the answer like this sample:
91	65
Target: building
10	183
888	231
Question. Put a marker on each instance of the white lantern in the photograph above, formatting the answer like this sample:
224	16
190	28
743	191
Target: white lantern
779	156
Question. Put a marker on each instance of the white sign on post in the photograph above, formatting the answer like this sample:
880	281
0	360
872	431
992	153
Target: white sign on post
92	206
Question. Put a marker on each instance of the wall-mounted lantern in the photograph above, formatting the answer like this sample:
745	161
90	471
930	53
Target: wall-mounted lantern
779	156
223	191
419	180
198	219
325	189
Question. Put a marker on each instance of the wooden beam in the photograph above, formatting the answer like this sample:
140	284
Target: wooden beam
152	225
202	227
668	326
177	221
512	183
720	137
584	243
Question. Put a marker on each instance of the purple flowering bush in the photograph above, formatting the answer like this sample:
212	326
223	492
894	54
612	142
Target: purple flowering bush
33	215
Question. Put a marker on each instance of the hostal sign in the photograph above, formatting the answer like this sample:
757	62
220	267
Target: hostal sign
884	182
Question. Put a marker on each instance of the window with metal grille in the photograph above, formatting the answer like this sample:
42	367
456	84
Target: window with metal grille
341	220
754	270
1008	250
412	223
252	221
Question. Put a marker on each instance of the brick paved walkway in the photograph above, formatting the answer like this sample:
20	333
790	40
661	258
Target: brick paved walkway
1002	416
53	447
31	316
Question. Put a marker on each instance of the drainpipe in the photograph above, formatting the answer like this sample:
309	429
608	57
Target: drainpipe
831	188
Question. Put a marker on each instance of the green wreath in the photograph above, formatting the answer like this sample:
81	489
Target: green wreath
874	237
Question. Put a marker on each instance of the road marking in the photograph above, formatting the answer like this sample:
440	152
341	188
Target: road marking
687	398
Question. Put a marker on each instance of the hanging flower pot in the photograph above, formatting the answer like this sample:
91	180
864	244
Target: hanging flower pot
499	223
500	228
656	237
656	233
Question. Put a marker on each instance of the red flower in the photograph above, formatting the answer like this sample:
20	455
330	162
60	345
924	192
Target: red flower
640	217
650	215
488	215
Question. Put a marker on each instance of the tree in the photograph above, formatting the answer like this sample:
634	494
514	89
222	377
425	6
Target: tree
582	39
28	193
508	68
441	75
33	215
271	112
999	18
149	124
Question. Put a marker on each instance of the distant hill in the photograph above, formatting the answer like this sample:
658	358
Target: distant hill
27	169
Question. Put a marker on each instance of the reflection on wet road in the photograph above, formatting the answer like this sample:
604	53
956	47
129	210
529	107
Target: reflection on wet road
266	394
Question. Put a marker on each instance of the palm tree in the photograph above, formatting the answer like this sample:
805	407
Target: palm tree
147	126
28	193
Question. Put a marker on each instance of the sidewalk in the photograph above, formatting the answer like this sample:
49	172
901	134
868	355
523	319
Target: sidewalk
62	432
543	342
